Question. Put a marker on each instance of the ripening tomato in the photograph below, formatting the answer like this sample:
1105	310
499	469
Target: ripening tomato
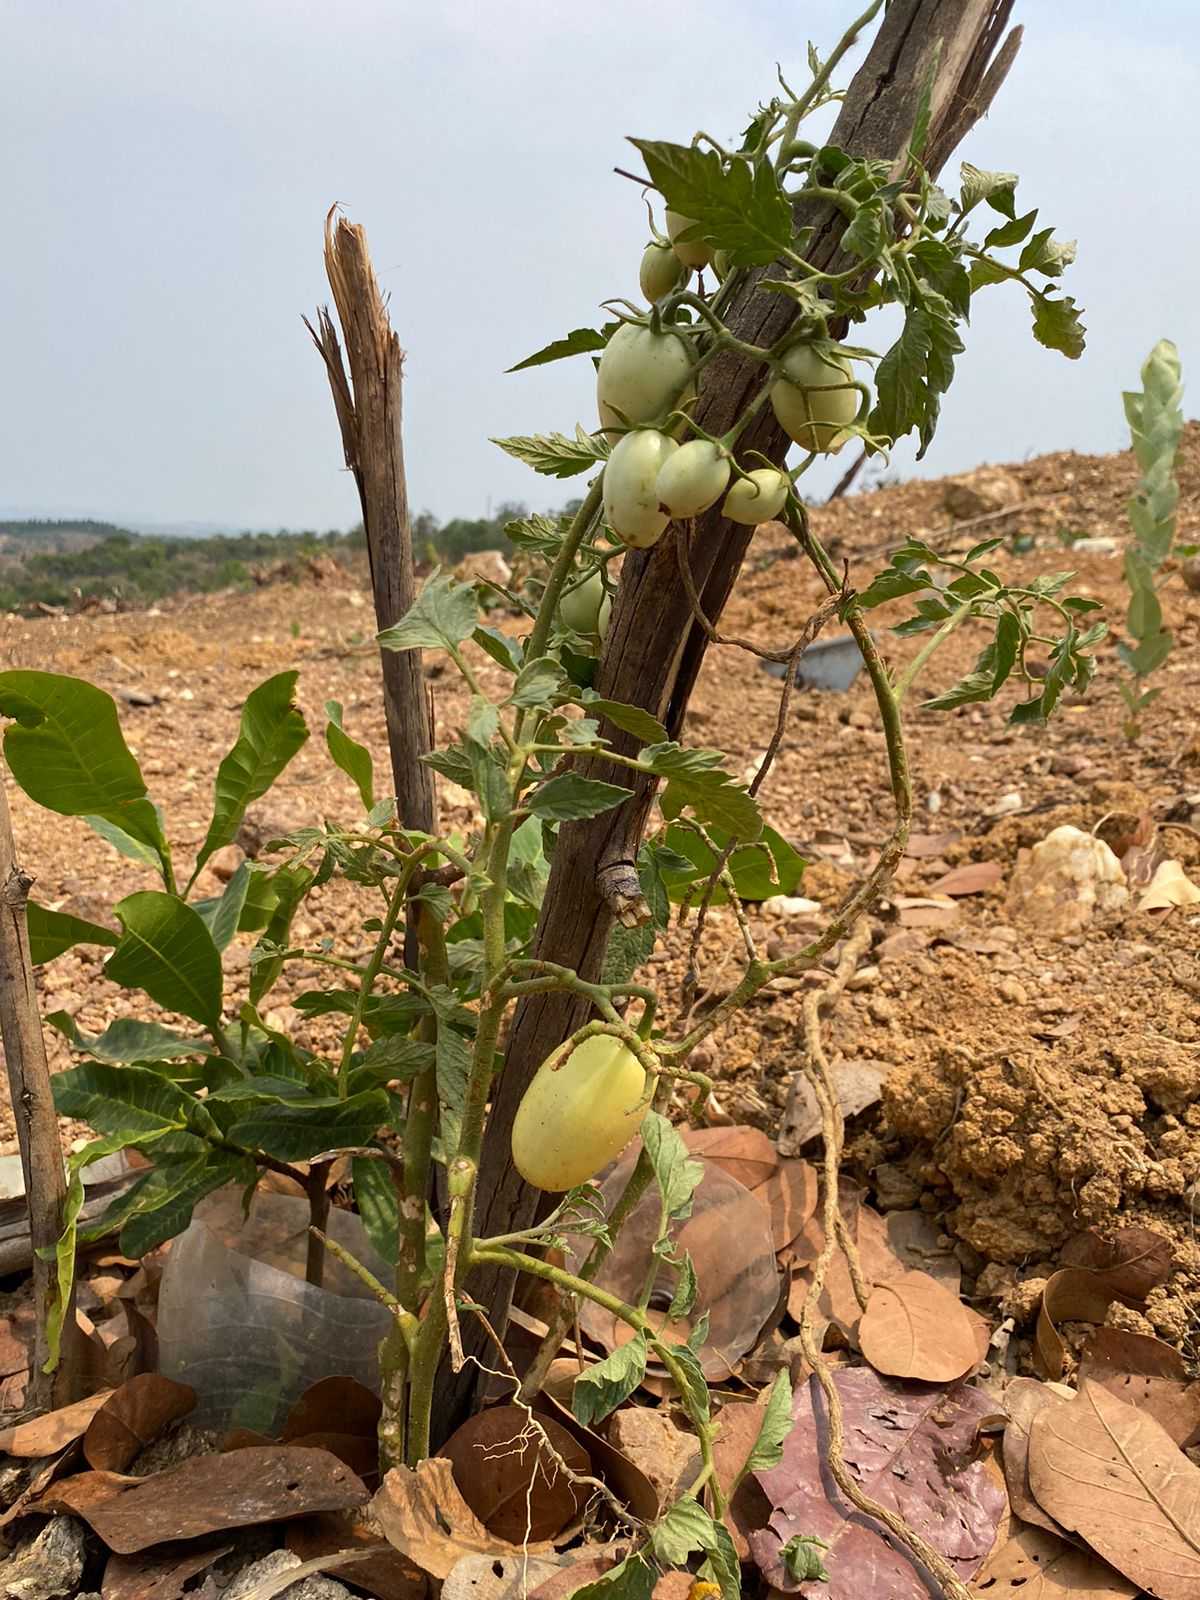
642	375
757	497
578	1116
811	407
631	487
660	271
693	478
692	252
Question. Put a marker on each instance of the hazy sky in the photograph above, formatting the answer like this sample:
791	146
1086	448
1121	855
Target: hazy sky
167	165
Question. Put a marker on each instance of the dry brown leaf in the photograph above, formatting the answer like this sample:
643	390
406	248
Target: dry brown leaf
915	1328
1146	1374
492	1577
919	1244
745	1153
924	846
379	1570
622	1475
1041	1566
1076	1294
856	1083
509	1478
790	1196
132	1417
1023	1399
161	1574
1113	1476
44	1435
973	878
424	1516
333	1405
1133	1260
1169	887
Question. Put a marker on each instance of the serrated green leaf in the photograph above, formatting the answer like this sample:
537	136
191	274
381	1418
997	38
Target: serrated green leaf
504	651
483	720
349	756
67	751
167	951
1057	325
570	797
997	188
892	584
938	266
52	932
272	730
676	1173
630	719
777	1423
444	614
1048	255
631	1579
685	1527
1010	232
739	208
687	1287
696	779
556	455
915	372
1008	644
601	1388
539	683
986	271
580	341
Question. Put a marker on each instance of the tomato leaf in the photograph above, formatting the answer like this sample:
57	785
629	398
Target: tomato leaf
1056	324
997	188
739	208
601	1388
580	341
349	756
441	617
555	455
570	797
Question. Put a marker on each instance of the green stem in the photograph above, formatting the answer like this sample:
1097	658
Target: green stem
418	1131
907	678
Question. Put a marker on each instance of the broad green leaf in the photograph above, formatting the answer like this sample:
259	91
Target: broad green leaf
67	752
118	1099
128	1039
1048	255
686	1527
1056	324
740	208
696	779
272	731
539	535
295	1131
539	683
222	915
290	883
768	867
555	455
997	188
453	1063
393	1056
569	797
506	652
1008	644
378	1203
580	341
631	1579
441	617
675	1171
352	758
630	719
985	271
483	720
52	932
777	1423
167	951
132	849
600	1389
892	584
1010	232
169	1196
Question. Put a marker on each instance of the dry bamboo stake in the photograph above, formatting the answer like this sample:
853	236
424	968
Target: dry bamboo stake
37	1124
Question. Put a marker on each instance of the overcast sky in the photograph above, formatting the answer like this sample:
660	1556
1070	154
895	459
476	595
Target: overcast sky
167	165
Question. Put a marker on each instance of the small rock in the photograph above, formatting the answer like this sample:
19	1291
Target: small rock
223	863
791	905
1007	804
316	1587
1101	545
880	1009
895	1190
48	1566
974	494
1068	765
995	1280
864	978
1191	574
933	803
1061	883
669	1457
1013	990
1021	1302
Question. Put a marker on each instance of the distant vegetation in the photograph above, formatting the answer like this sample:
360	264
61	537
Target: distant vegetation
61	563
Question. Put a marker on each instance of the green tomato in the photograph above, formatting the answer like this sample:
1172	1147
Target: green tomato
579	608
660	271
604	617
630	487
578	1115
642	375
809	411
756	498
693	478
692	252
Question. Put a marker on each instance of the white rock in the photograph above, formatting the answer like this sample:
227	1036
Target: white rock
1061	883
791	905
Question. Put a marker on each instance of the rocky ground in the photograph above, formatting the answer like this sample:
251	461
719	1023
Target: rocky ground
1033	1086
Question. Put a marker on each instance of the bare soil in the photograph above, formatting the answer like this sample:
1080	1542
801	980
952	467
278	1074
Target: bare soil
1035	1088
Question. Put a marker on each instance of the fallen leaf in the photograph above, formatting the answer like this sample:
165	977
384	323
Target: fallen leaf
209	1493
623	1476
922	911
839	1302
1023	1399
44	1435
161	1574
739	1424
132	1417
1146	1374
492	1577
424	1516
745	1153
1041	1566
1113	1476
973	878
1133	1260
923	846
586	1570
1169	887
511	1480
1075	1294
917	1241
857	1085
287	1579
359	1451
380	1570
333	1405
82	1492
790	1196
915	1328
912	1448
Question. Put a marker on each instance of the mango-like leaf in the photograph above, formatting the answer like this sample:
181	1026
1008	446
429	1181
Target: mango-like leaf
52	932
128	1039
119	1099
441	617
294	1131
222	915
377	1202
132	849
290	884
67	752
171	1193
600	1389
272	731
354	759
167	951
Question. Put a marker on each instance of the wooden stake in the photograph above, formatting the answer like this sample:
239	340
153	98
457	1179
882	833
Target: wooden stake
33	1110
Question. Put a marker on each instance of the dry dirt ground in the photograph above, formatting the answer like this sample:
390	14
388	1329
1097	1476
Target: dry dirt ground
1034	1088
